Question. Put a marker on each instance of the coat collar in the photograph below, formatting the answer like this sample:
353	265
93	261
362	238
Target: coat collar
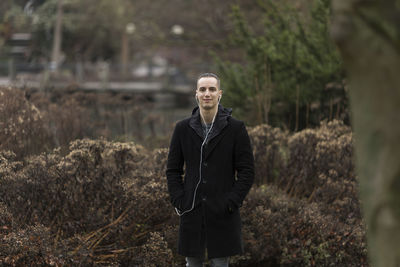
221	121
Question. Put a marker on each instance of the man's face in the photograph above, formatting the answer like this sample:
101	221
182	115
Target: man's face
208	92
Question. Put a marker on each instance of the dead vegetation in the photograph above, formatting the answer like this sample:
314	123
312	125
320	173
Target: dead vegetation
102	203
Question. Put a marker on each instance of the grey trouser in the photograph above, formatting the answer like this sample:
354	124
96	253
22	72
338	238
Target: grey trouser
198	262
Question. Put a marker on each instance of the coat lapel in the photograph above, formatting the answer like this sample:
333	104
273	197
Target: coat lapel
197	133
197	141
216	134
213	143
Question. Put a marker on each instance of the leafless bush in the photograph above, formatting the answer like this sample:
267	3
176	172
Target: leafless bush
269	148
96	191
315	152
320	168
22	128
8	163
72	114
155	252
106	203
84	187
290	232
315	164
34	246
156	161
6	219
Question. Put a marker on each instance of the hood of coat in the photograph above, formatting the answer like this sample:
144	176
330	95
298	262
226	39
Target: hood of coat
221	121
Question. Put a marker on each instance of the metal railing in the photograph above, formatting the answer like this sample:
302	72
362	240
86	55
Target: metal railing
140	76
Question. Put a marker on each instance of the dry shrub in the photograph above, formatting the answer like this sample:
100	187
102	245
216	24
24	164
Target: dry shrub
84	187
284	231
269	149
8	163
170	234
105	204
6	219
154	253
22	128
73	114
156	161
316	152
69	121
98	192
33	121
315	164
65	114
34	246
320	168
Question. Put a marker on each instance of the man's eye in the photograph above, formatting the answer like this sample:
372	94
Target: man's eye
212	89
202	89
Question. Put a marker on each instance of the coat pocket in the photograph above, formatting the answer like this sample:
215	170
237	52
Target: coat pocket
218	206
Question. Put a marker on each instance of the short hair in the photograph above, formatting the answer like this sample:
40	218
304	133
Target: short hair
209	74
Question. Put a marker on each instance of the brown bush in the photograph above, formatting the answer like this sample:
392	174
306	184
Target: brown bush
73	114
284	231
156	161
96	191
35	246
6	219
84	187
22	128
33	121
316	152
270	153
106	203
320	168
66	115
154	253
8	163
315	164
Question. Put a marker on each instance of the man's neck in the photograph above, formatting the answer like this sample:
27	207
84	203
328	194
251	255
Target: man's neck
208	114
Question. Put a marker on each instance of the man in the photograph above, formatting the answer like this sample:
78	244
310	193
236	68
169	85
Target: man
219	171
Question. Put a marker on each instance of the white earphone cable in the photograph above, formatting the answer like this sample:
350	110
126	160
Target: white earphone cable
201	162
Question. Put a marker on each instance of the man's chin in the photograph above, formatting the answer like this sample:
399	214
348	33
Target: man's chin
208	107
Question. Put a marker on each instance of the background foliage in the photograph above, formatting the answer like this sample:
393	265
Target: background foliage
290	66
277	61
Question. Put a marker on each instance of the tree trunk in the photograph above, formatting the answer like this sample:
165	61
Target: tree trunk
368	36
337	116
267	93
296	128
258	99
55	55
124	54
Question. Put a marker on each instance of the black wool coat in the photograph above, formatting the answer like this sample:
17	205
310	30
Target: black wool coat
227	173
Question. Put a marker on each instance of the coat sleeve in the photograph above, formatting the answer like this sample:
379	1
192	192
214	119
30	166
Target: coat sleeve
244	166
174	170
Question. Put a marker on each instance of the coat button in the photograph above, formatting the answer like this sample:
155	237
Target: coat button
204	198
205	164
204	181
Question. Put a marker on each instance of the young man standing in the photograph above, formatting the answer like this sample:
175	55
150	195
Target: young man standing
212	151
